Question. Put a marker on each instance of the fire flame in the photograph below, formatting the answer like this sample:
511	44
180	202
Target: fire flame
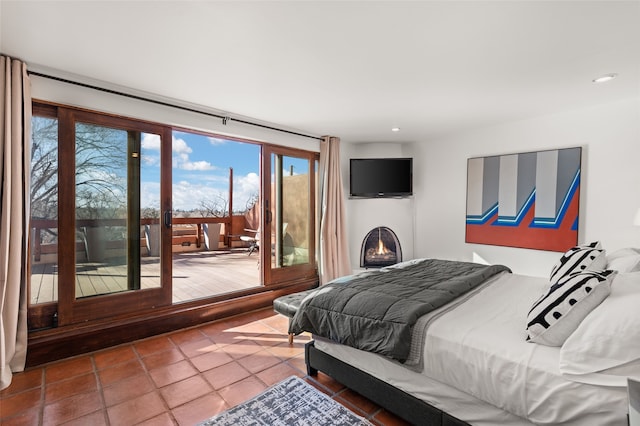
382	249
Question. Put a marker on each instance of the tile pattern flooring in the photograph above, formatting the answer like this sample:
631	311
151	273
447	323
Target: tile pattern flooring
179	378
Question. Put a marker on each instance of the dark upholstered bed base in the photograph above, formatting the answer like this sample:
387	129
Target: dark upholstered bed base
405	406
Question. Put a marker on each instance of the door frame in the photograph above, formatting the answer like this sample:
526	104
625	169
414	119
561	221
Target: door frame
269	205
70	309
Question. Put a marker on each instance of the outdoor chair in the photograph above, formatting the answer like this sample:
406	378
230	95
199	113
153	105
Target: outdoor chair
254	242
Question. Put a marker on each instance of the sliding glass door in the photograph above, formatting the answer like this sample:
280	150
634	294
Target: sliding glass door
114	256
289	178
130	216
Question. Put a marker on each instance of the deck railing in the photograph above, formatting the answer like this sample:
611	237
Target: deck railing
185	232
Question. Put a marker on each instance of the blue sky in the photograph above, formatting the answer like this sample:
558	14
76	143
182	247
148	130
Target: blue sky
200	170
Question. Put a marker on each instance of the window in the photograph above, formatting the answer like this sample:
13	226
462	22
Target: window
143	217
44	209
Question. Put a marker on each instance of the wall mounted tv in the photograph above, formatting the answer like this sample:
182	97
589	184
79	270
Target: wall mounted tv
381	177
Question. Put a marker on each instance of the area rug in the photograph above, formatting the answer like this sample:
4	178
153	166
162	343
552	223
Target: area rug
290	402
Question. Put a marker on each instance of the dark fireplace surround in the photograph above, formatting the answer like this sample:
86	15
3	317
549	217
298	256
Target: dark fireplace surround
380	248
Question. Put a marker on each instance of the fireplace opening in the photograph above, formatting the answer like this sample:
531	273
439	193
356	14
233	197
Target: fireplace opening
380	248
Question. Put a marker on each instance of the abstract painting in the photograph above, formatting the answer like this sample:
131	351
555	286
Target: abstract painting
526	200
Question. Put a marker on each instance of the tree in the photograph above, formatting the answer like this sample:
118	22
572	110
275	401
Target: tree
215	207
101	172
44	168
101	169
251	201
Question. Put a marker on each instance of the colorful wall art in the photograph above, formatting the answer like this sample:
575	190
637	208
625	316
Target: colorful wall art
527	200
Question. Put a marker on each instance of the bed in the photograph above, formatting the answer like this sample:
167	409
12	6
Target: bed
475	365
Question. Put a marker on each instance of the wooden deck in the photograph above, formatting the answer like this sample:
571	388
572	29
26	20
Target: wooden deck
195	275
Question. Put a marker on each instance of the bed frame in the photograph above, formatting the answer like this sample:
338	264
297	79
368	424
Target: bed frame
402	404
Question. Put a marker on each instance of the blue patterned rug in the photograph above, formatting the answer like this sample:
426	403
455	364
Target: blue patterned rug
290	402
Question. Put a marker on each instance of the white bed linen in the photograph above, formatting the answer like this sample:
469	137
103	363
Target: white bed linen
493	375
450	400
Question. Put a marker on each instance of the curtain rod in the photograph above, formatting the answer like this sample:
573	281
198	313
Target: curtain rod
224	119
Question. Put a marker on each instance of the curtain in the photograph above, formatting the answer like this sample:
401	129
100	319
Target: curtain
334	250
15	158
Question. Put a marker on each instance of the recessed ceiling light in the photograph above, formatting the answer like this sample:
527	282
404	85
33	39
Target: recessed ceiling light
395	129
605	78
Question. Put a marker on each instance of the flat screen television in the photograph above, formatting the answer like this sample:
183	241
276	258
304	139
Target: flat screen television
381	177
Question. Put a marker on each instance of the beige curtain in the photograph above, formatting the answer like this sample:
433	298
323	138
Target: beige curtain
15	153
334	248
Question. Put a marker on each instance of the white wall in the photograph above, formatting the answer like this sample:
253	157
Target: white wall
45	89
365	214
610	183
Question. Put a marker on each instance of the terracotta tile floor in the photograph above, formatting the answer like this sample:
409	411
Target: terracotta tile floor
180	378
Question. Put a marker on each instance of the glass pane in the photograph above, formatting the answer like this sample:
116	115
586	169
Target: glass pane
44	210
150	211
290	226
108	211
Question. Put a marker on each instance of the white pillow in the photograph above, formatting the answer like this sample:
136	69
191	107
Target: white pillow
608	339
563	307
624	260
586	257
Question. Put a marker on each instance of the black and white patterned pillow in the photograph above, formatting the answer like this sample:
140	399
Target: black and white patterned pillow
587	257
562	308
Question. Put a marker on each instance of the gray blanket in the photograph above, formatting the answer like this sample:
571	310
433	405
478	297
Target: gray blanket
376	311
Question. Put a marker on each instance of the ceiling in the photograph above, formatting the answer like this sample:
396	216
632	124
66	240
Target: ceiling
350	69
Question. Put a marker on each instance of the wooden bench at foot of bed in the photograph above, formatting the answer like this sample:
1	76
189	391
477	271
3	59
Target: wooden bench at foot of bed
402	404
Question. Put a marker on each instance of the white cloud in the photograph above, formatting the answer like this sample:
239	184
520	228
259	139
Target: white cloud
188	195
150	160
181	159
245	188
196	165
150	194
180	146
150	141
181	151
250	182
182	162
216	141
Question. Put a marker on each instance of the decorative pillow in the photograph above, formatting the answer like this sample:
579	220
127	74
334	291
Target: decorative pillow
559	312
624	260
587	257
608	339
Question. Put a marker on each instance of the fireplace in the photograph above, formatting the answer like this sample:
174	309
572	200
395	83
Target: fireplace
380	248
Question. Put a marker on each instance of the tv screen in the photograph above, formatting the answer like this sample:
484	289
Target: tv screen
381	177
